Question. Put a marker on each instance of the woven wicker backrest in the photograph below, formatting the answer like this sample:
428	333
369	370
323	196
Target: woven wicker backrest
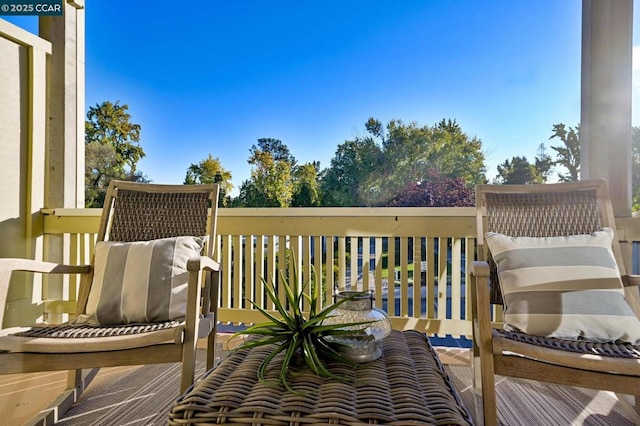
529	211
142	216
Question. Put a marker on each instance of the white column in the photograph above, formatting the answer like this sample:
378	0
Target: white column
605	122
64	182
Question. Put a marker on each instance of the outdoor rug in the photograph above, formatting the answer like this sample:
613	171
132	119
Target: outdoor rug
144	396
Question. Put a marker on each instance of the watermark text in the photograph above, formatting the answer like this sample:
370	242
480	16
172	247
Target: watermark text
31	7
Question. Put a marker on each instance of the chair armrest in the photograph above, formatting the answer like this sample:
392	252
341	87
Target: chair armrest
479	268
9	265
631	280
202	263
30	265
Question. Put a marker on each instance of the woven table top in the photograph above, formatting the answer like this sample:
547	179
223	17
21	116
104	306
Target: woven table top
406	386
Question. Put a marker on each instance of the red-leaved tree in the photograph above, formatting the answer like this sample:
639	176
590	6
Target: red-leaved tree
435	191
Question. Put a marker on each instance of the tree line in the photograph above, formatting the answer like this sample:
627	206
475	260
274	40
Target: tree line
394	164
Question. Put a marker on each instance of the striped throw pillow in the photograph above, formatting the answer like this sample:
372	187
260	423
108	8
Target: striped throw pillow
140	282
566	287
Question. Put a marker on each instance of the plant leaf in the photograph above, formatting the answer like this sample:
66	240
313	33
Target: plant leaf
267	314
265	362
254	343
284	370
276	301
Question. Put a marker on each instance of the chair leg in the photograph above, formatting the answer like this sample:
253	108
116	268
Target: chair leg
74	379
630	405
489	401
489	407
188	367
215	280
476	368
211	347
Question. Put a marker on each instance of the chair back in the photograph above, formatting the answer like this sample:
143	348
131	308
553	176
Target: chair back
543	210
144	214
136	211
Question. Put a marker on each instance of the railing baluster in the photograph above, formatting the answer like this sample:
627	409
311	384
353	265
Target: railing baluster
456	263
391	276
330	272
260	271
430	244
442	278
226	268
378	271
366	263
271	264
416	255
342	260
404	277
353	263
248	278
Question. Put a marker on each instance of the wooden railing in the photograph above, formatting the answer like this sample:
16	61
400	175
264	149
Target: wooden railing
413	259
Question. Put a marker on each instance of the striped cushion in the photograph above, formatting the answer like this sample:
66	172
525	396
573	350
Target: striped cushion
565	287
140	282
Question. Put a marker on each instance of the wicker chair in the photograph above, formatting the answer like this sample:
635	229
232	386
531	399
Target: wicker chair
132	212
547	210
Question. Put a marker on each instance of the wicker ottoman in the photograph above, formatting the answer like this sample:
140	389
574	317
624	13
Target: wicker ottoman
406	386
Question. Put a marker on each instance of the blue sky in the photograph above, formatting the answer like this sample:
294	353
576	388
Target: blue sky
211	77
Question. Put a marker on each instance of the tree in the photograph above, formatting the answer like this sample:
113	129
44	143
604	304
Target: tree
306	191
352	163
543	164
374	170
112	150
568	155
516	171
210	170
436	191
278	150
271	183
110	124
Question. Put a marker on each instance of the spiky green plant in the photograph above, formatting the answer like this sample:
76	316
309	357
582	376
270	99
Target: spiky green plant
294	333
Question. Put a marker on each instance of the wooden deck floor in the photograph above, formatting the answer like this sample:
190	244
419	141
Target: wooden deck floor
24	396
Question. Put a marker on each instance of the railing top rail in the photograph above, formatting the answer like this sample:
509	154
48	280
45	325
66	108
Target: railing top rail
306	211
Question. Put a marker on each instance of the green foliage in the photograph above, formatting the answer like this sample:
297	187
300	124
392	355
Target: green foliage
271	182
518	170
377	168
306	191
110	124
293	333
543	164
353	162
112	150
210	170
567	155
